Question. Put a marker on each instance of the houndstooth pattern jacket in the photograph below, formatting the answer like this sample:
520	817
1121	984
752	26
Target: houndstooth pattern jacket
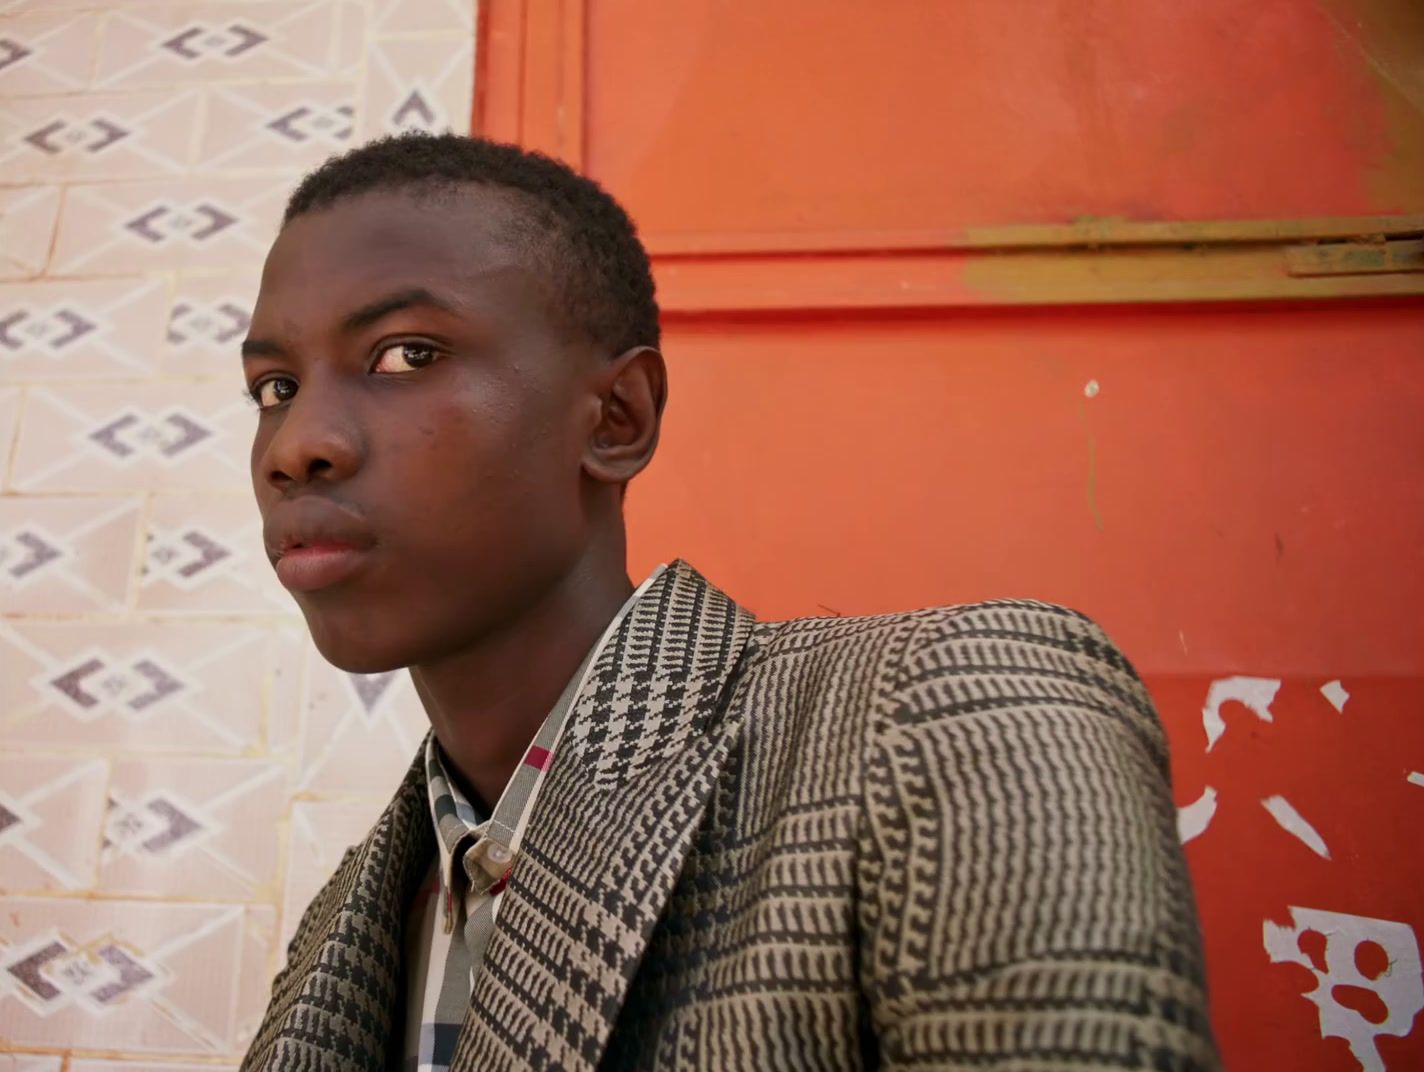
934	840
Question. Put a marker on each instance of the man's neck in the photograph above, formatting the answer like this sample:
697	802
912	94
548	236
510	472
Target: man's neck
487	703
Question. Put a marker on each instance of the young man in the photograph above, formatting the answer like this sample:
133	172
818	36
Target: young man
654	832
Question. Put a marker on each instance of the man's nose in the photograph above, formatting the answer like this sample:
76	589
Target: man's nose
317	439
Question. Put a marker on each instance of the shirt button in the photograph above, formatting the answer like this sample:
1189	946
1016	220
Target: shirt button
499	854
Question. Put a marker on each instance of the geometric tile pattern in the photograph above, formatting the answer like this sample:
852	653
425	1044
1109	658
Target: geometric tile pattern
98	136
182	224
179	768
80	329
136	687
143	977
28	217
67	555
193	828
204	44
203	555
449	17
50	811
359	730
47	51
407	90
9	417
134	437
277	127
205	323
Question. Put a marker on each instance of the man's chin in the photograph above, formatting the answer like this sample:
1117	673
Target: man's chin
356	651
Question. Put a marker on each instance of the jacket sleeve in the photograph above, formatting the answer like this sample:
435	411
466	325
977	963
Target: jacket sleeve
1023	900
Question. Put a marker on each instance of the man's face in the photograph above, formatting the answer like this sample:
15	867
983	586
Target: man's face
417	462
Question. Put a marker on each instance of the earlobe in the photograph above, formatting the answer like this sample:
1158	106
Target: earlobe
633	391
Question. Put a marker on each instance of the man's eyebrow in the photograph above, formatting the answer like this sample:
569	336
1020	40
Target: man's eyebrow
260	348
363	317
404	299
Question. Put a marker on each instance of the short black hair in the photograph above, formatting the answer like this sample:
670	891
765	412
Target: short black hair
572	228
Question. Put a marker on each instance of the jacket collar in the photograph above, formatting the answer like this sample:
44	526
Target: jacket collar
648	737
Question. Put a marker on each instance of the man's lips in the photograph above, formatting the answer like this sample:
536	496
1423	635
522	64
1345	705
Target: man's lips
304	569
314	543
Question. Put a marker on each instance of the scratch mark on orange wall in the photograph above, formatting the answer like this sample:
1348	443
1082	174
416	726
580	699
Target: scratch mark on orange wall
1093	482
1092	464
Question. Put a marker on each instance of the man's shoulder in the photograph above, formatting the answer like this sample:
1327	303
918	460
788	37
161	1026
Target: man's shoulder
952	659
986	627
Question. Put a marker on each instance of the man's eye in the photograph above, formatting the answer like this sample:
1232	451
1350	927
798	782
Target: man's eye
404	357
274	392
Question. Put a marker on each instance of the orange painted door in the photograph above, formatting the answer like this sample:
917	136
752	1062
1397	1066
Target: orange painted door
1115	303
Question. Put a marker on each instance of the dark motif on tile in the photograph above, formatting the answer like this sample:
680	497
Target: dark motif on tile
135	688
55	330
55	972
163	223
25	553
7	818
414	113
169	436
303	123
194	553
370	688
202	42
92	137
218	323
151	828
27	969
11	52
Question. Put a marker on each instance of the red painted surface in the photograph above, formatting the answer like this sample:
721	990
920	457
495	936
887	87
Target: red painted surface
746	118
1232	490
1346	772
1242	493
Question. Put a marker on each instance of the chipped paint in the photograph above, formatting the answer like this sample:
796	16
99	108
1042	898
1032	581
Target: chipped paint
1296	824
1255	693
1194	818
1335	693
1400	989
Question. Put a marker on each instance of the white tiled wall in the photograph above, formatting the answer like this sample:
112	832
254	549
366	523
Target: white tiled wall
178	770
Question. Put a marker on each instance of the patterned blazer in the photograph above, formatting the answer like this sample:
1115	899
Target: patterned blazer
941	839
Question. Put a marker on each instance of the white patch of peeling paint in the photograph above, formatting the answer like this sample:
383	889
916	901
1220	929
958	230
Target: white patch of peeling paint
1295	824
1400	989
1091	389
1335	693
1194	818
1256	693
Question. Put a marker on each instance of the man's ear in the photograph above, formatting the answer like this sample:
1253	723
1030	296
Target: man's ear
632	393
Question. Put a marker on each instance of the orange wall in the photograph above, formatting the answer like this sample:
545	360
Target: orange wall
1224	488
981	299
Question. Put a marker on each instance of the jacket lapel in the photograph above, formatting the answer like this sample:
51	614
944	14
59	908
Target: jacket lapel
336	1003
647	739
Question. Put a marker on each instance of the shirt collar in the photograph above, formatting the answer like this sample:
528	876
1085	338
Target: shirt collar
454	817
453	814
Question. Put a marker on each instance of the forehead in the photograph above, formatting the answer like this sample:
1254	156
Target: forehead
383	240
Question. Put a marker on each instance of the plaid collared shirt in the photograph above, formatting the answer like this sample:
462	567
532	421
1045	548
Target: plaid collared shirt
453	916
